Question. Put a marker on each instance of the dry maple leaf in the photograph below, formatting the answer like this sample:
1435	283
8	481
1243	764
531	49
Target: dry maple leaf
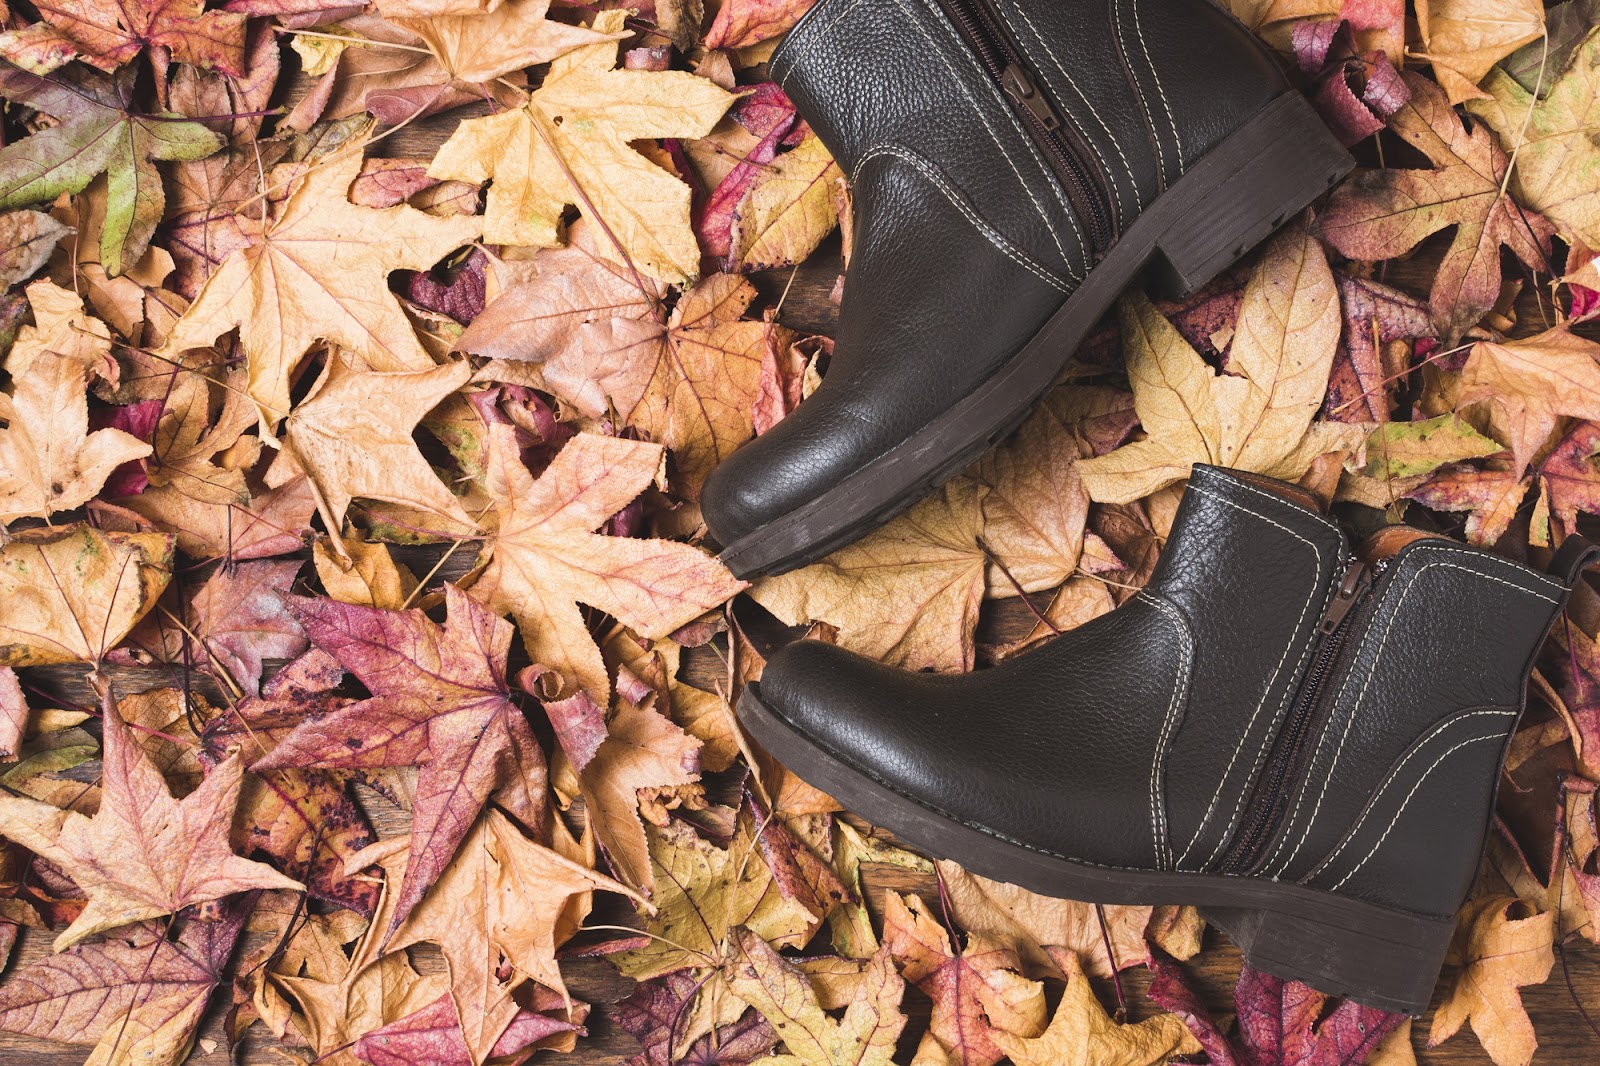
276	522
691	381
1256	417
433	1035
1041	930
572	144
1529	384
502	897
1558	165
975	993
352	437
657	1013
319	273
546	559
782	993
144	854
741	23
109	33
1463	39
1571	479
49	460
71	593
138	996
1497	953
439	701
26	240
1280	1022
907	593
638	749
705	892
1384	213
792	204
366	574
98	133
481	46
1491	497
188	441
1081	1034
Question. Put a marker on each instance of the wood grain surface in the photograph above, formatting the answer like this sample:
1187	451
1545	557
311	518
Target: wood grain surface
1558	1007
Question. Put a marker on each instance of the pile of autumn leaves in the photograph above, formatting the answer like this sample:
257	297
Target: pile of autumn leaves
233	332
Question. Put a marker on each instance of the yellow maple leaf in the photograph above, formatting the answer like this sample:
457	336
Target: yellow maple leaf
1558	165
1497	954
571	144
1463	39
481	46
1257	418
319	272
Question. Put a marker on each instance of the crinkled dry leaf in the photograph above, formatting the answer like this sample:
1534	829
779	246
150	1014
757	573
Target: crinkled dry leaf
318	272
1529	384
546	559
1081	1034
781	992
1558	165
572	144
26	240
1384	213
1256	417
1463	39
907	594
481	46
72	592
1497	954
788	209
440	701
144	854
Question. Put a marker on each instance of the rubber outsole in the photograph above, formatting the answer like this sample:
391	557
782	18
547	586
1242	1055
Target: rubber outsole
1237	195
1376	955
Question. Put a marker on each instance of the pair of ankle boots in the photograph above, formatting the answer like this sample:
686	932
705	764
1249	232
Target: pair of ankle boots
1300	738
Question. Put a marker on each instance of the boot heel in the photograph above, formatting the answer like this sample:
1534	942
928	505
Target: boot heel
1242	190
1376	956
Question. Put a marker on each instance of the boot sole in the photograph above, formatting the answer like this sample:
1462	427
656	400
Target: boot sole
1226	204
1375	955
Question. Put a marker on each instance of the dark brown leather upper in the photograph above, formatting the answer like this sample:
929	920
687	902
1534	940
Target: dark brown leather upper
1138	739
966	242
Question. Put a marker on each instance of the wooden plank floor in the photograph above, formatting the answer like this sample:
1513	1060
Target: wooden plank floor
1565	1038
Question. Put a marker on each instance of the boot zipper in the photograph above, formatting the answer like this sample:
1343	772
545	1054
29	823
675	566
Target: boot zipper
1062	143
1265	811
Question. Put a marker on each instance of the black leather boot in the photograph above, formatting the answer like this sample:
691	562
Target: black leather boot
1303	742
1015	164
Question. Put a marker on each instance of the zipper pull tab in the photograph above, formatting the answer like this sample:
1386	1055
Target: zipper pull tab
1353	585
1018	84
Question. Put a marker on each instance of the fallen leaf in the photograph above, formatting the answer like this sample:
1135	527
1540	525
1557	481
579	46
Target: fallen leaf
546	559
433	1035
788	209
1491	497
1044	931
1406	449
690	380
865	1036
704	895
1384	213
144	854
318	273
656	1014
440	701
1360	387
1497	954
138	996
73	592
367	575
109	33
907	593
1558	168
13	714
571	144
480	46
1258	416
1528	384
352	437
1081	1034
975	993
49	460
98	132
26	240
1571	478
1463	39
741	23
1279	1021
276	522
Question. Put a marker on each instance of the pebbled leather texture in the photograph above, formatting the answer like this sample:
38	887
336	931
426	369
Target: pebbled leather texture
966	242
1138	740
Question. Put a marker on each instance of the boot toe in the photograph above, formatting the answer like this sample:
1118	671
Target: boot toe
824	692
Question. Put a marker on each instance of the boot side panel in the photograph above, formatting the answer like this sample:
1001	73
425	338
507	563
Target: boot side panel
1252	572
869	73
1438	678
